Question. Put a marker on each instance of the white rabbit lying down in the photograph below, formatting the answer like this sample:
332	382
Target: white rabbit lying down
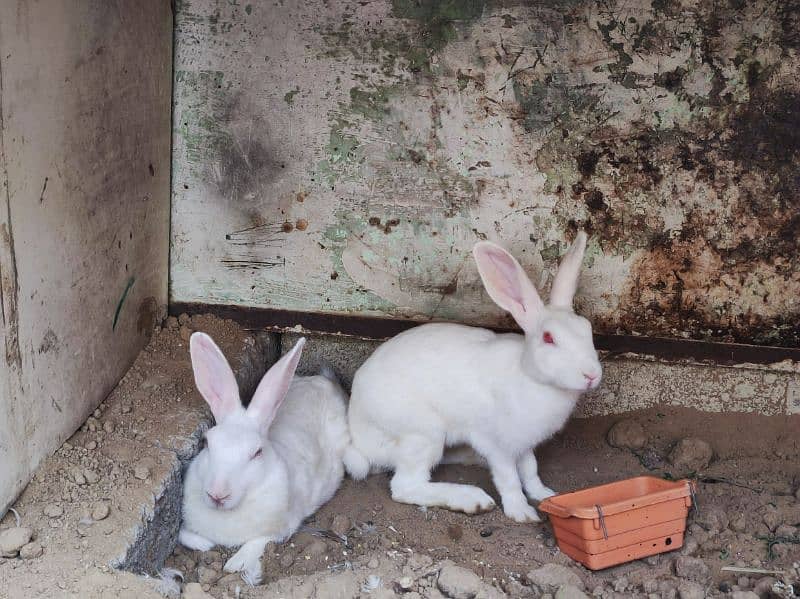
265	468
440	385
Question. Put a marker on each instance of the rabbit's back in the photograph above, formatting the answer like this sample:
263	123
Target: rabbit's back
310	433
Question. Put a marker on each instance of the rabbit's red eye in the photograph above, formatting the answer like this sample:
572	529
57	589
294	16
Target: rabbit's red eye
548	338
257	454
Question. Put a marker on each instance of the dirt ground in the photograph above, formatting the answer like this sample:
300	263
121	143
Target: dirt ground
747	517
362	544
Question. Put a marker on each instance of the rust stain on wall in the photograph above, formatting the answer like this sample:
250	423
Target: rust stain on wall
411	129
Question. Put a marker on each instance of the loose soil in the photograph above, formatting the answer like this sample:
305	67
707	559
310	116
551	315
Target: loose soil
748	513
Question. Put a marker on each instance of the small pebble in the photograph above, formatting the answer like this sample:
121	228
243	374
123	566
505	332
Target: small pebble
108	426
141	472
97	413
287	559
486	532
373	563
31	551
100	511
53	510
126	408
207	575
405	583
13	539
78	477
91	445
171	323
316	548
90	476
184	319
185	333
340	524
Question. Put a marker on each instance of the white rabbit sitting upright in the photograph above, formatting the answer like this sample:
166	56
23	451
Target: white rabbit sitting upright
265	468
440	385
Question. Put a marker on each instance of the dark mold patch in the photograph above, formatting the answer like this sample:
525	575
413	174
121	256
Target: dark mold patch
587	162
238	145
147	316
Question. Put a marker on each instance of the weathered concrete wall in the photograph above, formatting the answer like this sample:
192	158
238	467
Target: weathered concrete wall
336	156
84	211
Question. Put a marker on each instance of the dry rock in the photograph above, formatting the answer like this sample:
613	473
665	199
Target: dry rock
692	569
552	576
340	524
100	511
78	477
744	595
714	520
91	445
739	523
344	584
90	476
108	426
171	322
405	583
691	590
207	575
627	434
459	583
141	471
568	591
184	319
53	510
763	587
31	551
194	590
14	539
691	455
185	333
316	549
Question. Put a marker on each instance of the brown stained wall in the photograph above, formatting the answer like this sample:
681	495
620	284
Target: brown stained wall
343	157
84	211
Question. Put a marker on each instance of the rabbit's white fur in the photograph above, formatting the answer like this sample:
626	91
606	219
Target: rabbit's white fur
261	498
440	385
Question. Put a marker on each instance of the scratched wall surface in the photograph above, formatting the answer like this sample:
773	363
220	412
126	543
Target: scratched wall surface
339	157
84	211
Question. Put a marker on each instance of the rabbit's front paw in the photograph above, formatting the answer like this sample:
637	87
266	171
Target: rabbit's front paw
248	562
538	492
521	512
470	500
194	541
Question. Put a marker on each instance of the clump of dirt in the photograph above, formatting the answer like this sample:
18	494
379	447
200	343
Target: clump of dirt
748	518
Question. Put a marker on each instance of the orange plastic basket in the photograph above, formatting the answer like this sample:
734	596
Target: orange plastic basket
620	522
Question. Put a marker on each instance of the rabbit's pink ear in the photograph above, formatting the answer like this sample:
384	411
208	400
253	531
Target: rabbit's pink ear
565	283
272	389
507	284
213	376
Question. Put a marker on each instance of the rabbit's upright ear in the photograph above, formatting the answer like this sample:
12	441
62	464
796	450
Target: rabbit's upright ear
507	284
565	283
213	376
272	389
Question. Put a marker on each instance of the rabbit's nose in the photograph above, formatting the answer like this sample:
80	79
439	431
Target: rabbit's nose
591	379
218	499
